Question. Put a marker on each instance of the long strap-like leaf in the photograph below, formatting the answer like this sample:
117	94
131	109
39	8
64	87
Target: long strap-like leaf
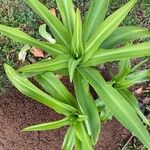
77	47
125	34
58	63
78	144
106	28
56	88
67	12
88	106
60	32
82	135
22	37
72	64
137	77
28	89
131	99
48	126
69	139
127	52
118	106
94	18
124	69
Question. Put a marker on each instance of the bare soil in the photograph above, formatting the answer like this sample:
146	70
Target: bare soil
18	111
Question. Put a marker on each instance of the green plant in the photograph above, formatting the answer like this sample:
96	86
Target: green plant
79	48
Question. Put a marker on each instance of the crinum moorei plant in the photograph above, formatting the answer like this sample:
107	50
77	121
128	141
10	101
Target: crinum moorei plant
79	48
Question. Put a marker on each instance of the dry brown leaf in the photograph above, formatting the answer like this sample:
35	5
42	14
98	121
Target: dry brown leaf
139	91
37	52
53	11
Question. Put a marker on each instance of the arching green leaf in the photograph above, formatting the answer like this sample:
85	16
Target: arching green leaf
82	135
58	63
94	18
116	103
125	34
77	46
87	106
106	28
72	64
131	99
28	89
48	126
22	37
124	69
56	88
137	77
136	67
69	139
67	12
126	52
60	32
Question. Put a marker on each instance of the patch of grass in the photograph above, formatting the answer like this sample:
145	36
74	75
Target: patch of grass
145	5
16	13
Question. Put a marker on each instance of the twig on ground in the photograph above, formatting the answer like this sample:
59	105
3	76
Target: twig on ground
143	148
127	142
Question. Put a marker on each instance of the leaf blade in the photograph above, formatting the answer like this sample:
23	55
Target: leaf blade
67	12
43	32
28	89
124	69
72	64
126	52
87	106
134	103
21	37
82	135
106	28
77	46
56	88
94	18
60	33
78	144
56	64
125	34
137	77
48	126
117	104
69	139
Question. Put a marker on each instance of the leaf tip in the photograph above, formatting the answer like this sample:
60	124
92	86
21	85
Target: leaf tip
25	129
7	67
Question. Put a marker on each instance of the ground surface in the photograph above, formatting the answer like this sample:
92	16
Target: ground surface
17	112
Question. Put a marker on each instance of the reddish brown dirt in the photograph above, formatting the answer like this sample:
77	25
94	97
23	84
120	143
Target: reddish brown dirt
18	111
